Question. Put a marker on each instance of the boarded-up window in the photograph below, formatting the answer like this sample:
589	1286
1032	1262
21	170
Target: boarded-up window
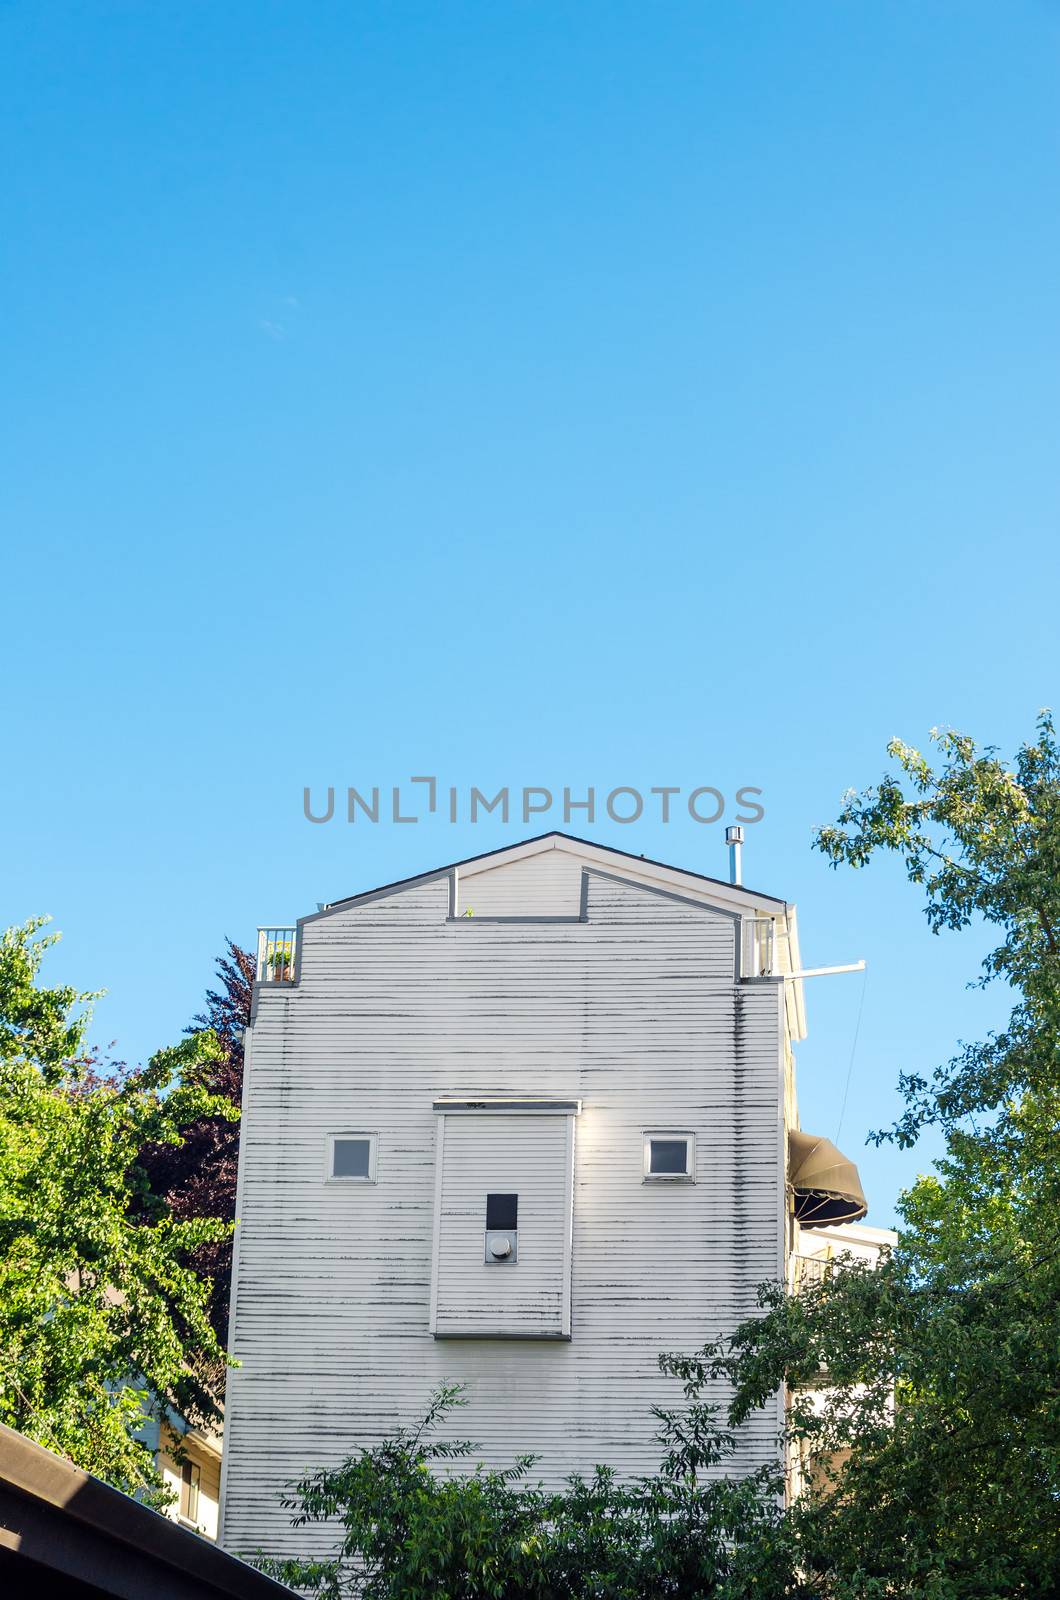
506	1166
502	1211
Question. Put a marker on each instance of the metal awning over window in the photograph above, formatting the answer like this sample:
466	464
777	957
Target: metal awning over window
826	1183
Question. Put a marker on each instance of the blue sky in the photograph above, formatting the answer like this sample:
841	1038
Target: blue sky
530	394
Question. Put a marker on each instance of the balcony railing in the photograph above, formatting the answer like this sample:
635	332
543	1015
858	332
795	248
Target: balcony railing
276	952
811	1272
759	947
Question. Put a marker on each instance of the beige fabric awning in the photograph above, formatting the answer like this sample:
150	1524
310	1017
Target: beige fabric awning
826	1183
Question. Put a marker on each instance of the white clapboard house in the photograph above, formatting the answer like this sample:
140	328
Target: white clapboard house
520	1123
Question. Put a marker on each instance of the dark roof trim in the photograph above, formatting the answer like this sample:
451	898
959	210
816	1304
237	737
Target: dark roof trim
538	838
67	1522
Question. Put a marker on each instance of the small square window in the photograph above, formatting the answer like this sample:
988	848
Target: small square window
669	1156
351	1158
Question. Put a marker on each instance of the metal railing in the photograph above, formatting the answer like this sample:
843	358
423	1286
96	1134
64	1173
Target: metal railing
759	947
276	952
812	1271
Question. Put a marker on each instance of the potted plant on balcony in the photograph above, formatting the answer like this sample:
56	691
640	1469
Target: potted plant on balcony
280	963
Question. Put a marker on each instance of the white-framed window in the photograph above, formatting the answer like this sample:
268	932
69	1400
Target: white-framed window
669	1156
351	1158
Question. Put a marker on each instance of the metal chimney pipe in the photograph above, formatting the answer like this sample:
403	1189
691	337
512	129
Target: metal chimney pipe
734	840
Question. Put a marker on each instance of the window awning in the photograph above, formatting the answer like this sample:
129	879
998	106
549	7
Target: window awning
826	1183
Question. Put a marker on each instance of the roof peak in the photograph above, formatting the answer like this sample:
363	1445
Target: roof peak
739	893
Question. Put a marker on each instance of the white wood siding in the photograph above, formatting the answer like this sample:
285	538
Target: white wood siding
545	885
531	1156
635	1012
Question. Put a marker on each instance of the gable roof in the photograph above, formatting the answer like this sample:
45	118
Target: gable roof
733	896
716	892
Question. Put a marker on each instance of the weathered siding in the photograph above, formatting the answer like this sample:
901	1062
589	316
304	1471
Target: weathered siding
531	1156
637	1013
545	885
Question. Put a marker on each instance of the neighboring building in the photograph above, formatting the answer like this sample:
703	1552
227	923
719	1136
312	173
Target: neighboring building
829	1249
817	1256
189	1460
520	1123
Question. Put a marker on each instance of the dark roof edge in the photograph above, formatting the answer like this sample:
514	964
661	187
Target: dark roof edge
537	838
40	1475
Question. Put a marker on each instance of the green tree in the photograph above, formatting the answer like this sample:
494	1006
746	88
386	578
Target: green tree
197	1178
412	1533
102	1322
943	1368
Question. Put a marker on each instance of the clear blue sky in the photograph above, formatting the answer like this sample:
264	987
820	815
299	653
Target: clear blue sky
528	393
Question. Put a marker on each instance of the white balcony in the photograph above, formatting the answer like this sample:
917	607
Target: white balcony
759	947
812	1271
276	954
